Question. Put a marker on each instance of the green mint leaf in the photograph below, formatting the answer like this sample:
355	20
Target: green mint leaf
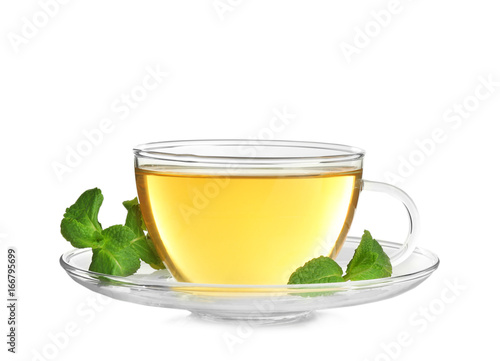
115	255
318	270
141	244
129	204
369	261
132	203
80	225
134	219
147	252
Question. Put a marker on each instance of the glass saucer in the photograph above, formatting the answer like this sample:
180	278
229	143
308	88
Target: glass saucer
258	303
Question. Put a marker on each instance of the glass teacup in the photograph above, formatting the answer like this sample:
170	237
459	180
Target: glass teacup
251	212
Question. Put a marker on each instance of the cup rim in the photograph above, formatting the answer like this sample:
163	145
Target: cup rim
169	151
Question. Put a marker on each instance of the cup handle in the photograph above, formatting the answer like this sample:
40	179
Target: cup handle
409	244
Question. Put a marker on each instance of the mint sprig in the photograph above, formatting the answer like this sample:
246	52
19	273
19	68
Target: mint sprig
368	262
116	250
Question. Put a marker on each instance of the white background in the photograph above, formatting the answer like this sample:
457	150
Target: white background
229	70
